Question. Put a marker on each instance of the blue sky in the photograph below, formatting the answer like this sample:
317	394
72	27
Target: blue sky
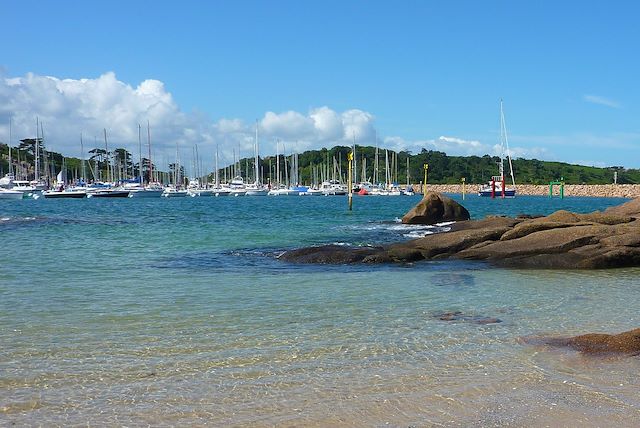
414	73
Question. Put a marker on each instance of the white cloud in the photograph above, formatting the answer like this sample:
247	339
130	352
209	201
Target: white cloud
595	99
69	107
450	145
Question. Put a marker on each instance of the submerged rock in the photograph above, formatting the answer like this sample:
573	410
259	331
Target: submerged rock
459	316
436	208
328	254
626	343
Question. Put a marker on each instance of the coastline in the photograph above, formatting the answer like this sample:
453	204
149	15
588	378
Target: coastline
590	190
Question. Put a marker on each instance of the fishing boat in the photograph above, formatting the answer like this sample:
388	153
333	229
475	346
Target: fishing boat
498	185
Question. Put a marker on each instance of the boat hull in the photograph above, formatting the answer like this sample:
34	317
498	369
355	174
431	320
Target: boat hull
145	193
9	194
109	194
64	195
508	193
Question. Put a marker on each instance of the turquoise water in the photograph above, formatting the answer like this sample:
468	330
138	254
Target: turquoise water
177	312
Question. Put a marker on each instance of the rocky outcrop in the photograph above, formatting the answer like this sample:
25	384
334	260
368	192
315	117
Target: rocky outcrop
627	343
436	208
562	240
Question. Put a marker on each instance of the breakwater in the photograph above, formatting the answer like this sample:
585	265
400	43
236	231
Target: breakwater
594	190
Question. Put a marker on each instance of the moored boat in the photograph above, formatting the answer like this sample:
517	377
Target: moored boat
10	194
109	193
65	193
497	186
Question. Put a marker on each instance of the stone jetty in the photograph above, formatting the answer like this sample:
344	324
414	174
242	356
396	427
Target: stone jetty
592	190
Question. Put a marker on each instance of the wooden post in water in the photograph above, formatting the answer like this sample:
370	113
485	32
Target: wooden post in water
463	188
424	186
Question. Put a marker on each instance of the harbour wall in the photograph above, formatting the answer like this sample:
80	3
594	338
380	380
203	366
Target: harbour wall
594	190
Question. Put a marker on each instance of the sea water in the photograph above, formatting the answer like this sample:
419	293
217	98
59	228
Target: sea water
177	312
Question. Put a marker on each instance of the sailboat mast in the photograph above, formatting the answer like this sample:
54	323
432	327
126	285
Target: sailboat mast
140	153
10	140
375	163
256	157
37	160
503	131
217	170
407	170
84	180
277	165
106	147
149	144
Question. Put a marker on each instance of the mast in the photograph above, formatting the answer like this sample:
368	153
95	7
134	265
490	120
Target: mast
277	164
10	139
37	160
256	156
217	170
386	168
106	147
503	134
407	170
84	180
40	149
375	164
140	153
149	144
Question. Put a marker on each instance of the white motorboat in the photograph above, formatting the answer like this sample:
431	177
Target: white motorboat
237	187
172	192
137	190
333	188
10	194
221	191
256	190
284	191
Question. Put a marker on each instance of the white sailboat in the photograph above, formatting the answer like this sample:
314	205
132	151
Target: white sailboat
175	190
152	189
256	188
497	185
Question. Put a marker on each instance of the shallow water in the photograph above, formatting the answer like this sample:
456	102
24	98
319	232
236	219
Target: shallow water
177	312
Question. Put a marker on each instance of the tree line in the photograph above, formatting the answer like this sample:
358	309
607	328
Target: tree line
324	164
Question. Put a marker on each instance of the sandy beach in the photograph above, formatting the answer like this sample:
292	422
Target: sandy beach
594	190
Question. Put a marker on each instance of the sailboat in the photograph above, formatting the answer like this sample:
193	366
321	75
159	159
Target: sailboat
152	189
497	185
175	190
256	189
